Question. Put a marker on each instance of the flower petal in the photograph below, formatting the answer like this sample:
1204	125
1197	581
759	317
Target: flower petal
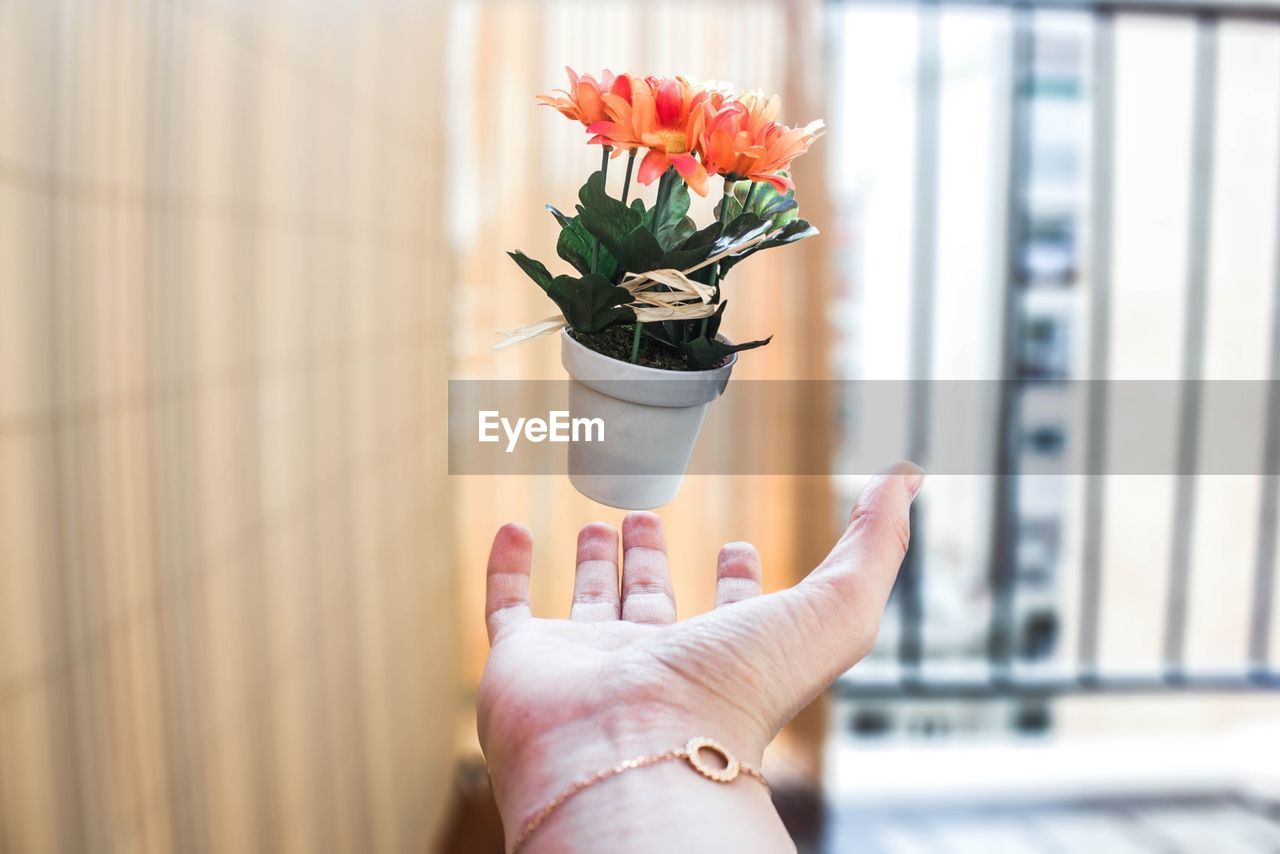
613	130
619	108
652	167
770	112
720	147
781	183
668	103
643	119
622	87
589	103
693	172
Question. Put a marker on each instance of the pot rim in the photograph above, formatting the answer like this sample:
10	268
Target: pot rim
653	373
638	384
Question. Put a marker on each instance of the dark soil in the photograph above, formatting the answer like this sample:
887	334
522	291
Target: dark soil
615	342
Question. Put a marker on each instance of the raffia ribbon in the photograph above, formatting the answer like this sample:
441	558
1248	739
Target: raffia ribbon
656	295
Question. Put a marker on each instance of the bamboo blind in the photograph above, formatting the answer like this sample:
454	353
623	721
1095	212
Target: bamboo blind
226	586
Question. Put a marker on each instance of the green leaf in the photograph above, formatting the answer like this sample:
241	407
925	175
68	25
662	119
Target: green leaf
635	250
575	246
630	234
680	232
670	332
578	247
560	218
591	303
713	322
733	201
707	353
697	247
593	196
766	202
795	230
672	230
776	207
534	269
640	252
713	240
746	227
604	216
666	332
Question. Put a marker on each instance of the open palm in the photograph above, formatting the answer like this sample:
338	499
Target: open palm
623	671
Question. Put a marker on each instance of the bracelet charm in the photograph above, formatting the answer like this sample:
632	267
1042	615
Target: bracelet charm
694	752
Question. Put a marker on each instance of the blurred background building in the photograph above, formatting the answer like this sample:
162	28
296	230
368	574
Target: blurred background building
243	246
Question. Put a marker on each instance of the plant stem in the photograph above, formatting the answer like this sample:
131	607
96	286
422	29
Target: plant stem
626	184
664	195
746	203
722	215
659	208
604	167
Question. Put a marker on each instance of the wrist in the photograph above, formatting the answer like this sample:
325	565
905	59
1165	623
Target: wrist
666	806
529	773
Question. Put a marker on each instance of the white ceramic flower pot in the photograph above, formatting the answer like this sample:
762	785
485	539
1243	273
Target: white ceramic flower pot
651	421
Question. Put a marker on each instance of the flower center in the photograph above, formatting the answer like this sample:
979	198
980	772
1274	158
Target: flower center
673	141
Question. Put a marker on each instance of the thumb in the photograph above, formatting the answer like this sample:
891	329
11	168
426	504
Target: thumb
796	642
848	591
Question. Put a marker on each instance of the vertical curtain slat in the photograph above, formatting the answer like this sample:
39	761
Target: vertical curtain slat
220	494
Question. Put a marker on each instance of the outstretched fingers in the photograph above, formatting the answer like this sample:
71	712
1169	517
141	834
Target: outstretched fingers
507	579
595	583
647	595
738	573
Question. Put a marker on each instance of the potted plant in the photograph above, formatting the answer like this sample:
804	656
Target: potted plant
640	314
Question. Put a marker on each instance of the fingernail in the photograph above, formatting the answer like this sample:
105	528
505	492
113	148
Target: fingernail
913	475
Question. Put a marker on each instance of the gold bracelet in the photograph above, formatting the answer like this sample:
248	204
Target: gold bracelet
691	753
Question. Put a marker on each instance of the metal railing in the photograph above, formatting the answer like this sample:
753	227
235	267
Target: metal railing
1083	673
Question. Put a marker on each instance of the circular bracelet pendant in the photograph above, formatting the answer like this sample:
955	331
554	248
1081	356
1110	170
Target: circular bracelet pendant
694	751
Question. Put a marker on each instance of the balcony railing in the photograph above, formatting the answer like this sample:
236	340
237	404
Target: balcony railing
1024	373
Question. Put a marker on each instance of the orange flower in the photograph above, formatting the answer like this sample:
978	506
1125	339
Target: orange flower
743	140
583	101
664	115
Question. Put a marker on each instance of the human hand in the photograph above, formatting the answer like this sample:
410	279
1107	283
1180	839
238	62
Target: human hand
561	699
